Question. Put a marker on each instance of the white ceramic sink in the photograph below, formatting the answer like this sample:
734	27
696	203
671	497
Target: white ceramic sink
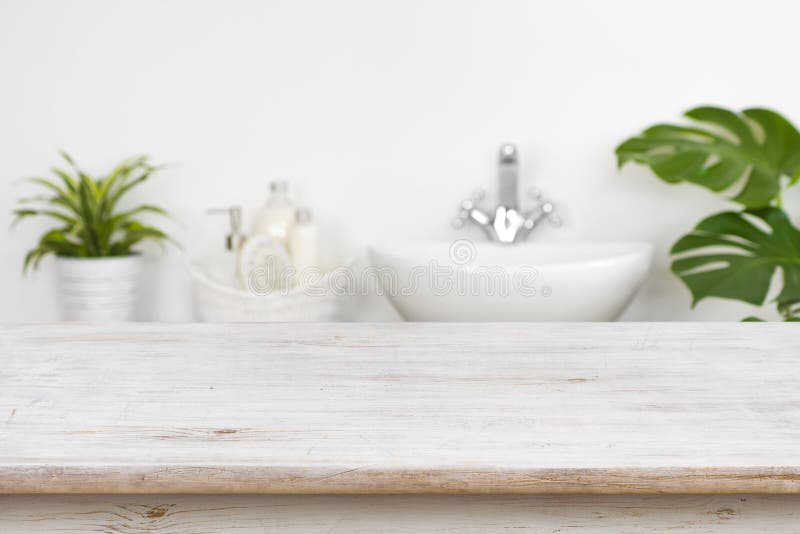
476	281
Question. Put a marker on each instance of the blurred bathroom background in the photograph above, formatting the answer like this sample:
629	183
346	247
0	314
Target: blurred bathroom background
382	115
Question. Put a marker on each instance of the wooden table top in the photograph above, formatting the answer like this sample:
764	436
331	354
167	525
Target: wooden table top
400	408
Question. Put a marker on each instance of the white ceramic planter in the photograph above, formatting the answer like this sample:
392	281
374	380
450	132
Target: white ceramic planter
99	289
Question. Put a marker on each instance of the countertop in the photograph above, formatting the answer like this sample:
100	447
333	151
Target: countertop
400	408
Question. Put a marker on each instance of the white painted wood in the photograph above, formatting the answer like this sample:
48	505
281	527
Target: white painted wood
400	408
308	514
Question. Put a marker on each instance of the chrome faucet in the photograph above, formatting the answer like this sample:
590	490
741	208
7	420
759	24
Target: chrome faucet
509	224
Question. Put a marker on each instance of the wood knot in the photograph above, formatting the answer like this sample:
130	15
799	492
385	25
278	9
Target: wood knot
157	512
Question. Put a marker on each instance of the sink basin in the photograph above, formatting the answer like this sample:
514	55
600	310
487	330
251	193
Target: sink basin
475	281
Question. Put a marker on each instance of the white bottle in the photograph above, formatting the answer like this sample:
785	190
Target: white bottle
303	248
276	216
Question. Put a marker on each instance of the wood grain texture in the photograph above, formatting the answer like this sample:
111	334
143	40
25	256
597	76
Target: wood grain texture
400	408
415	514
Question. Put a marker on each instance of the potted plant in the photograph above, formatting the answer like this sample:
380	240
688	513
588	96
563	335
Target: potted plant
751	157
94	241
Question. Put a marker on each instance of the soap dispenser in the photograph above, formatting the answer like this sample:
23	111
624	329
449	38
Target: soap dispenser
225	267
276	216
233	241
259	263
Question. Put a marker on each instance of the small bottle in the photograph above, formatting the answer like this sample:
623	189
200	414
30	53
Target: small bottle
276	216
303	247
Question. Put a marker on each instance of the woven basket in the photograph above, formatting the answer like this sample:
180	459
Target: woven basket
220	303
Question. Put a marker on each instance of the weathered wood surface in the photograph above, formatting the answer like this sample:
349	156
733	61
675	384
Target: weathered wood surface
394	514
400	408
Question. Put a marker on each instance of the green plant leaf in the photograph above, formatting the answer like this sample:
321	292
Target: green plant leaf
23	213
134	232
70	182
85	207
789	309
125	215
119	175
735	254
755	148
61	197
58	241
127	185
55	241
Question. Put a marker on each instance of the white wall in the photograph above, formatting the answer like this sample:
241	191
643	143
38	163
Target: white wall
382	114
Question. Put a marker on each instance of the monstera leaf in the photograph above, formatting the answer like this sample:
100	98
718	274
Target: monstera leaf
748	153
735	254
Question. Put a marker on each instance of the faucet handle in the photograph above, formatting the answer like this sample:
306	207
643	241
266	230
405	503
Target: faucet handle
463	214
468	209
549	211
544	209
475	198
468	205
458	223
